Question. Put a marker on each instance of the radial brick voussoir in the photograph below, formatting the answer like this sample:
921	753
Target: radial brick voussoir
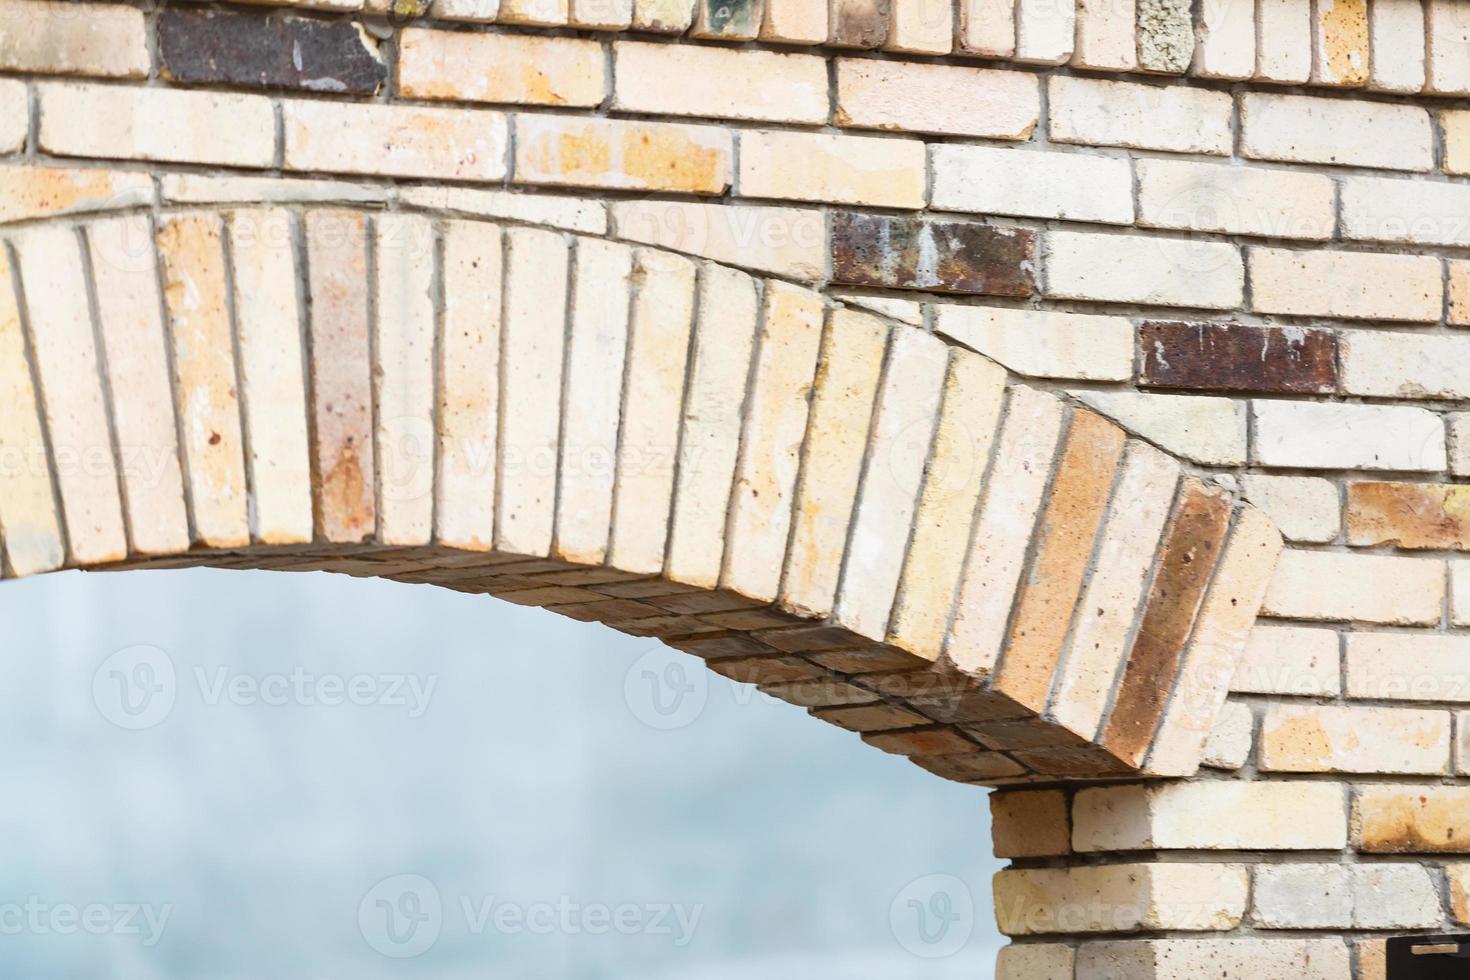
845	510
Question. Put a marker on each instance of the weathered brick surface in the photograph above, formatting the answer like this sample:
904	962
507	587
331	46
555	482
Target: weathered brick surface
622	155
941	99
1393	819
948	256
404	141
225	47
685	80
155	124
1306	129
1341	436
1304	738
1211	816
55	38
1237	357
503	68
1409	515
1107	113
1342	587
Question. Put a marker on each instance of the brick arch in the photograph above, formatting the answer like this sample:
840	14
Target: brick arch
845	510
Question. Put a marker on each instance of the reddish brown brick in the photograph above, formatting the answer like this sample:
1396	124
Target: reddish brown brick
947	256
1238	357
1409	515
253	50
1192	545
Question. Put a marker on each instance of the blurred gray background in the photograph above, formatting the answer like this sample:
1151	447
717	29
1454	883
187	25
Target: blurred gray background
226	775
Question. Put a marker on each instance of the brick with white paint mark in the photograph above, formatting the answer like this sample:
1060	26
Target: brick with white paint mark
1237	357
1334	436
948	256
215	47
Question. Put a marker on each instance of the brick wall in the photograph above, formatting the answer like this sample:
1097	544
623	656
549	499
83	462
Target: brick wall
951	370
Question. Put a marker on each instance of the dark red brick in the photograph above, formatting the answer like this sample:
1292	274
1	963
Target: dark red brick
1238	357
945	256
260	50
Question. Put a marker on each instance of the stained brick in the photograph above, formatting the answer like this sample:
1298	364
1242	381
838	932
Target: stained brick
254	51
1409	515
951	256
1237	357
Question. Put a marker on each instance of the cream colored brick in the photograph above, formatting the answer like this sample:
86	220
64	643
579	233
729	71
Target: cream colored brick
119	123
904	419
852	354
1284	40
1410	819
1353	739
1044	31
594	400
998	549
1408	667
968	423
205	189
1130	539
1304	508
1413	211
32	540
995	180
569	213
1235	200
1396	31
1355	285
1459	443
1185	959
1219	639
469	387
1231	739
1041	343
473	11
1305	129
1335	436
1205	429
1214	815
1460	592
1226	33
795	21
867	170
1155	271
902	310
724	339
395	140
622	154
1398	365
1456	141
15	115
663	16
1105	113
1340	42
1166	36
1343	587
1372	957
987	28
658	351
921	26
541	13
1029	823
508	68
1035	961
1335	896
131	328
1293	660
403	378
55	38
1458	314
268	334
72	399
1447	26
776	417
36	192
720	83
789	242
206	390
604	15
1120	898
1459	878
945	99
531	372
1105	35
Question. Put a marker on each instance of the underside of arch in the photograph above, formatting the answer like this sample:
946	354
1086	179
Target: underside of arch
846	511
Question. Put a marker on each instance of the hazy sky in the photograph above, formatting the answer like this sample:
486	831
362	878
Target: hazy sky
226	775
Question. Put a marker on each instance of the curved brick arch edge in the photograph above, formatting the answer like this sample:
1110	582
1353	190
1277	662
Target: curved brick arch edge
851	514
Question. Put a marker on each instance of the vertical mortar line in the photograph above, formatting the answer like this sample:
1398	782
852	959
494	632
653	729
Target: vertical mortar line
227	248
701	273
371	251
94	310
564	404
635	290
279	110
498	505
28	351
304	313
747	405
438	407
